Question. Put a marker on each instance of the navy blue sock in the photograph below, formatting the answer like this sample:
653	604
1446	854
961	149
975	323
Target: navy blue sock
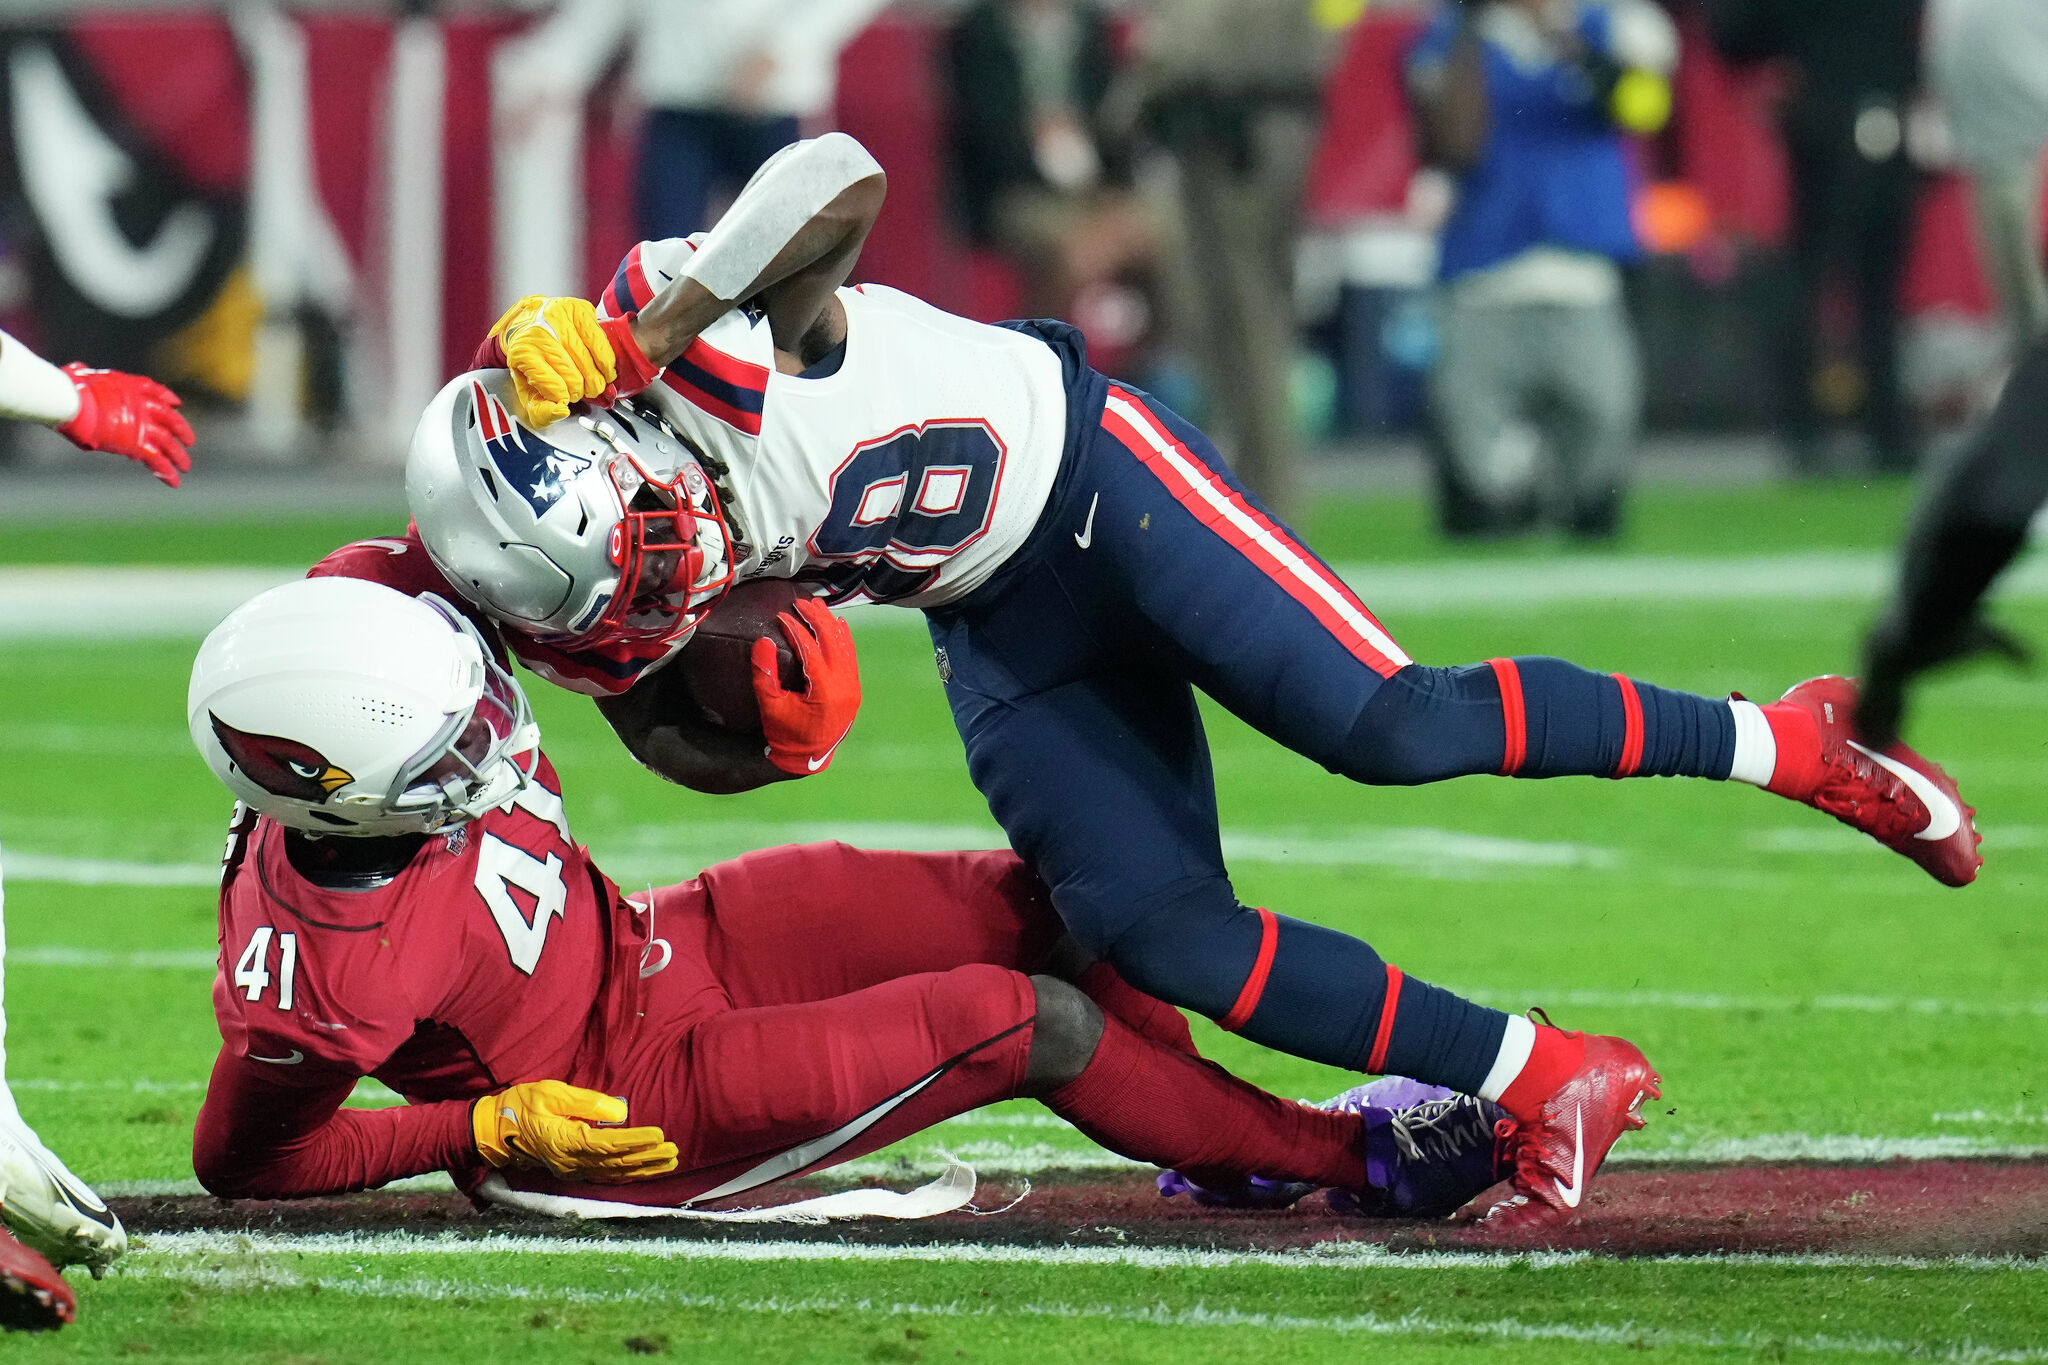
1534	717
1439	1037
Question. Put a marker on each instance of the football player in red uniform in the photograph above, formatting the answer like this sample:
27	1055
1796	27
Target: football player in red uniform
1086	562
402	898
57	1218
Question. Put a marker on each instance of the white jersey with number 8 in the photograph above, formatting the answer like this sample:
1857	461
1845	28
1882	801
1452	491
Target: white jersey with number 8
908	476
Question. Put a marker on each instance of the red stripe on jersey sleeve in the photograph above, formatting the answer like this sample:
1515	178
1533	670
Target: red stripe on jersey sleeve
748	422
730	368
636	278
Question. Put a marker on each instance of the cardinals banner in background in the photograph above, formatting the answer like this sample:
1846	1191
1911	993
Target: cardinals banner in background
251	205
129	238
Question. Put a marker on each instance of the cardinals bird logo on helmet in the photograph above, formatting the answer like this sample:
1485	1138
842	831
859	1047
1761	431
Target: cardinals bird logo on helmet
283	767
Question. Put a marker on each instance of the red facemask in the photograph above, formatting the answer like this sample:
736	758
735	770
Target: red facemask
674	552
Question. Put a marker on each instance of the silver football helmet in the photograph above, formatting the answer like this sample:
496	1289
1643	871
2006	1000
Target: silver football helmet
603	527
339	706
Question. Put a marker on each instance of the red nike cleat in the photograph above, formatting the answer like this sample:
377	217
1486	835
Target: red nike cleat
33	1296
1898	798
1563	1143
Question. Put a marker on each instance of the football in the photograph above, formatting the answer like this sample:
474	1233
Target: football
717	666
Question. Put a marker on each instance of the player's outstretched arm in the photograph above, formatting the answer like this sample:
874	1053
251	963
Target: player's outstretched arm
122	414
276	1130
788	242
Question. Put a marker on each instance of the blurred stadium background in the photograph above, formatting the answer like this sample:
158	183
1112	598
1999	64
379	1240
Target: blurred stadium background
303	216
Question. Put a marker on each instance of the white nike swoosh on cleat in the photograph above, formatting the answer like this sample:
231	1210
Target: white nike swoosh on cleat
1570	1193
293	1060
1944	817
1086	535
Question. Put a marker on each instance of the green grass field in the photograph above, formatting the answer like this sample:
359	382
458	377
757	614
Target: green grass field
1806	994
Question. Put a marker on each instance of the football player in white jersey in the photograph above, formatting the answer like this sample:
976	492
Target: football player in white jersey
42	1202
1086	561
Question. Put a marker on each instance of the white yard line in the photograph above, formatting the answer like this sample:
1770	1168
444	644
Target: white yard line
1324	1255
1824	1147
43	867
125	603
1505	1329
100	959
1819	576
668	854
130	602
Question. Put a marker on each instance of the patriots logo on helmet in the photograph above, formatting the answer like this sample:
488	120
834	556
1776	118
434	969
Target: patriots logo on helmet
282	767
534	468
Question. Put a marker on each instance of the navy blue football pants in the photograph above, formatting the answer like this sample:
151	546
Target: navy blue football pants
1072	677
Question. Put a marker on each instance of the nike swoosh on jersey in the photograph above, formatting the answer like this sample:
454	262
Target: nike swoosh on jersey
1086	535
293	1060
1943	816
1570	1193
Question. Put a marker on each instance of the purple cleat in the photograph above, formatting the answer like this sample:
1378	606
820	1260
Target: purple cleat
1428	1151
1249	1192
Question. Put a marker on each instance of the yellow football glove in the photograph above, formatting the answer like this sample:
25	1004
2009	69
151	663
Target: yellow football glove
551	1124
558	355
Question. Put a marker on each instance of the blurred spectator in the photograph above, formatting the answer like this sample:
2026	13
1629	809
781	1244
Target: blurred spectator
1988	60
1856	65
1526	102
1039	177
1232	88
727	84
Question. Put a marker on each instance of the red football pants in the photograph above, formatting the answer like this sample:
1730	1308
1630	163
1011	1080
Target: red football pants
820	1002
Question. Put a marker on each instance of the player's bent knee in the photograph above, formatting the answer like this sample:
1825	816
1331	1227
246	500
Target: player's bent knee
1424	725
1195	951
1065	1029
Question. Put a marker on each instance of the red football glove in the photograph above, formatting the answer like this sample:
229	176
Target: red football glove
126	414
636	371
803	728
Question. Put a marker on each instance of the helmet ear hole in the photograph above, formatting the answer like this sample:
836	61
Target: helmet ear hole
533	587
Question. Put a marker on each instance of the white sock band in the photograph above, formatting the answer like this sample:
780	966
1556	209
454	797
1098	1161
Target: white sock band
33	388
789	190
1515	1046
1756	751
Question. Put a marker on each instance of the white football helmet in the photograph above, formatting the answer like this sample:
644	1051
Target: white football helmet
602	528
338	706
